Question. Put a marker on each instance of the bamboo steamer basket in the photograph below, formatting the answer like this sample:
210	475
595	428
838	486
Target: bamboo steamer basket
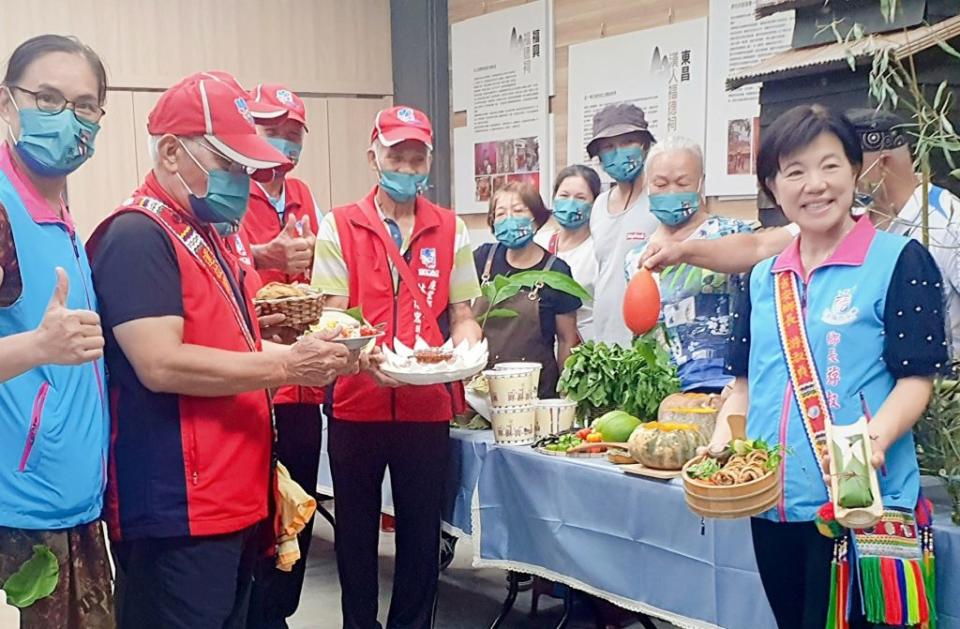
301	312
728	502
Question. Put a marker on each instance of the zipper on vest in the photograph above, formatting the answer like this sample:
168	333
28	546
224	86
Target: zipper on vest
784	418
35	418
86	295
396	294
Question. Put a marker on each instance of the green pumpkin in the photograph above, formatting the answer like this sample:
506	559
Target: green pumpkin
665	446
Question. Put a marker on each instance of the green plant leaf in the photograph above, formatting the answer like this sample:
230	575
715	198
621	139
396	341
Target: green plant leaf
37	578
554	279
947	48
500	313
355	313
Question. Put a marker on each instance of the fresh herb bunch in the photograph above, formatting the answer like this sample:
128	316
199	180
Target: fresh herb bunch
602	378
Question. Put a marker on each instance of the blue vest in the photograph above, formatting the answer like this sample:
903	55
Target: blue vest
54	422
844	318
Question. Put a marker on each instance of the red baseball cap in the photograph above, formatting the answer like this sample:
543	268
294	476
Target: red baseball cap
212	108
275	96
257	110
394	125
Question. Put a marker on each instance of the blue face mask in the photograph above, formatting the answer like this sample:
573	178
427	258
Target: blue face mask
290	150
54	145
401	187
514	232
571	213
226	198
624	163
674	208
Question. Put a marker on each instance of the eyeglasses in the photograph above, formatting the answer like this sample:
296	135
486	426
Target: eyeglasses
53	102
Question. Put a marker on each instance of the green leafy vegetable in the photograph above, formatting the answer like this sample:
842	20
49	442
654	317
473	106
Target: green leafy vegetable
37	578
704	469
602	378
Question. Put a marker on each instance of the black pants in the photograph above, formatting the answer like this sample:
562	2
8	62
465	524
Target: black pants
185	582
417	454
794	562
276	594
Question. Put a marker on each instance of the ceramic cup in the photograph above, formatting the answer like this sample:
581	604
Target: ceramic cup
514	425
534	383
554	416
508	387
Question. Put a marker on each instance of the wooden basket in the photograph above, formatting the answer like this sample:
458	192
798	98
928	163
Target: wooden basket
727	502
301	312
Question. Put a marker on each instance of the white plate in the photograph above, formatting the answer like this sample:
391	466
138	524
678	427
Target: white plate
357	343
400	365
436	377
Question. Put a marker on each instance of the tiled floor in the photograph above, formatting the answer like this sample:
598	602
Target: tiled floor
469	598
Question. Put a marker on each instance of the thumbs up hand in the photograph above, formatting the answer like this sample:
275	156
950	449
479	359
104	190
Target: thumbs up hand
291	251
64	336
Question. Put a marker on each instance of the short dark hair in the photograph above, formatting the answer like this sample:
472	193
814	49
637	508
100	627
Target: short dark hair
797	128
36	47
584	172
530	197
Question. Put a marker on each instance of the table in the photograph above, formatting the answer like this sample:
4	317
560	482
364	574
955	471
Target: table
633	541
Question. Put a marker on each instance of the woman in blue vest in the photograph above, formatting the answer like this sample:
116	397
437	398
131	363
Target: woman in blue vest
869	305
53	409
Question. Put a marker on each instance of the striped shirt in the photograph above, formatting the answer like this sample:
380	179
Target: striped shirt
330	269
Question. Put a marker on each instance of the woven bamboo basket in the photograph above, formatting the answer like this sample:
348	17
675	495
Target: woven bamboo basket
727	502
301	312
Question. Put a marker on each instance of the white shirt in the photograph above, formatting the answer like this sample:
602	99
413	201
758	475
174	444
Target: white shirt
943	216
613	236
583	266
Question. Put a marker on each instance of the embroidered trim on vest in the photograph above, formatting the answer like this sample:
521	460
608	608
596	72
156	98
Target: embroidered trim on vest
199	249
807	388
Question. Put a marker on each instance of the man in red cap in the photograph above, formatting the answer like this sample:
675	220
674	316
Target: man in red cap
409	265
190	461
279	224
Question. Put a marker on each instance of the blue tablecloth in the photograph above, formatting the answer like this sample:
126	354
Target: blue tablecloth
634	542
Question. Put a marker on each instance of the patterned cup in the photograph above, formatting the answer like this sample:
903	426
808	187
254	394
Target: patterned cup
534	377
554	416
514	425
508	387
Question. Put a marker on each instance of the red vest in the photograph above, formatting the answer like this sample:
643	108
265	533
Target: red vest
226	441
260	225
363	241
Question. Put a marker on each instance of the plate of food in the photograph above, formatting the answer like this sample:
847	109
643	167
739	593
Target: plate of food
423	364
355	332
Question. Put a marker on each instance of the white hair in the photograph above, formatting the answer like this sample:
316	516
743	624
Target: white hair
153	142
673	144
379	147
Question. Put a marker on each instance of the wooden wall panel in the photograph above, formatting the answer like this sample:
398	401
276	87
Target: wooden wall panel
350	122
314	166
578	21
313	46
99	186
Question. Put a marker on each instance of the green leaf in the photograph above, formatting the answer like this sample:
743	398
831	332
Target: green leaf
500	313
947	48
37	578
554	279
355	313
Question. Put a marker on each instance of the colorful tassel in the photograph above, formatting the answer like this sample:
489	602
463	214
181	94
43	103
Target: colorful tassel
911	614
929	568
839	587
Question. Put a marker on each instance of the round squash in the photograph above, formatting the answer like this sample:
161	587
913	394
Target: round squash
641	303
665	446
691	408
